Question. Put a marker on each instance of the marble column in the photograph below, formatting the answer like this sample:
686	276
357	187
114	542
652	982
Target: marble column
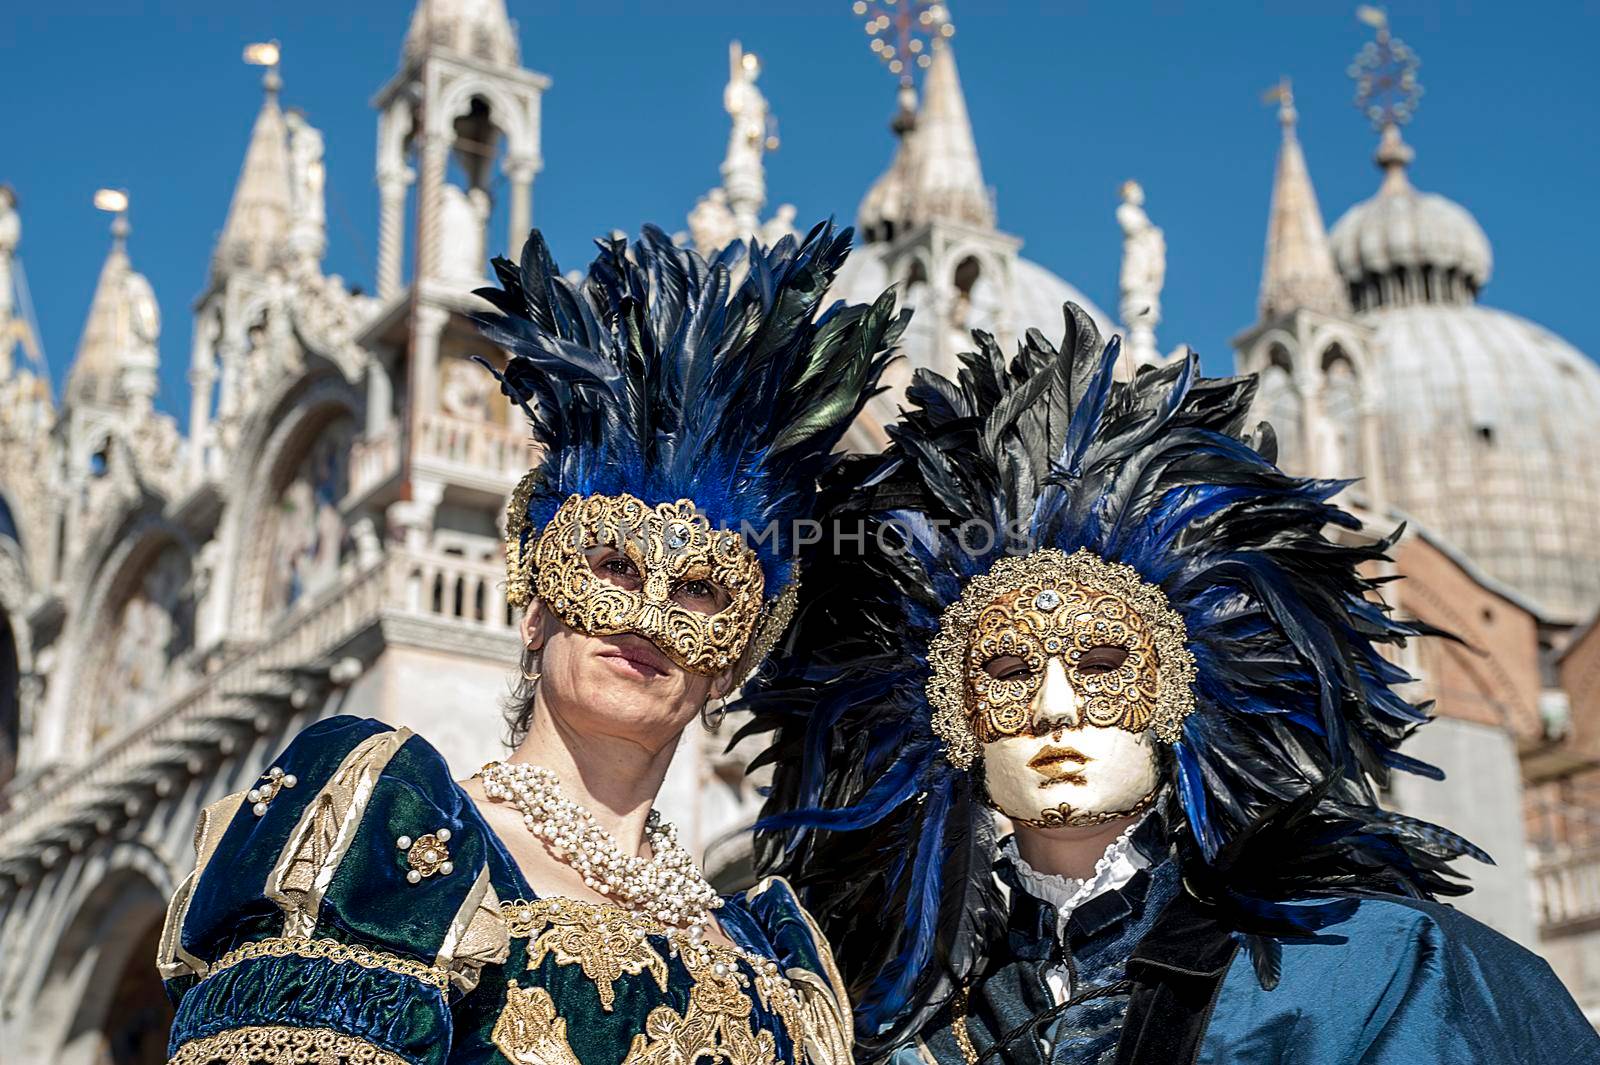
392	184
429	324
520	173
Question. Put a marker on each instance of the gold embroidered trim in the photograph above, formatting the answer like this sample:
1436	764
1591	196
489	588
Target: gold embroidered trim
605	941
1064	816
519	567
277	1045
608	942
1055	571
528	1031
477	936
830	1024
280	947
172	960
958	1027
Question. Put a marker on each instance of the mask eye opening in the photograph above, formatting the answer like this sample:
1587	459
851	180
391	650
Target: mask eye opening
1103	658
702	595
614	567
1007	667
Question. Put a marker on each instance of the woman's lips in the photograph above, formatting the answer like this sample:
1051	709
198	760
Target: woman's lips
637	657
1058	765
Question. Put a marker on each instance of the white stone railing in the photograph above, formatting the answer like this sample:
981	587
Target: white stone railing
475	446
374	459
437	584
424	584
1566	891
304	636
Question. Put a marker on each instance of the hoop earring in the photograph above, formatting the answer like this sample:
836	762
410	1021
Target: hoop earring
713	721
533	677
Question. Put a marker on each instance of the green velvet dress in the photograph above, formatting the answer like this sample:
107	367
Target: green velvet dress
368	913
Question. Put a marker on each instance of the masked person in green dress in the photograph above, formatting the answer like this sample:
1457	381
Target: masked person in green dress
359	905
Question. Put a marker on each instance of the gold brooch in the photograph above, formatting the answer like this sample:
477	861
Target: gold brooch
427	855
275	781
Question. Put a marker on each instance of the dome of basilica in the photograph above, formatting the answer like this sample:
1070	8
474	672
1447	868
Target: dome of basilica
1423	245
1474	406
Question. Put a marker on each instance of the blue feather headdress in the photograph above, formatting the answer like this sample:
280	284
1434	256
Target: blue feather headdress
661	376
892	845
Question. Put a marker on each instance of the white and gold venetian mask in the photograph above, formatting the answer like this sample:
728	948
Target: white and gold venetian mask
1063	672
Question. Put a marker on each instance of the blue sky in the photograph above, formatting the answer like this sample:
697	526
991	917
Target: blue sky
1067	100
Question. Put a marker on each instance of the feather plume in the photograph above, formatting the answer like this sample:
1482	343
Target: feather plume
659	375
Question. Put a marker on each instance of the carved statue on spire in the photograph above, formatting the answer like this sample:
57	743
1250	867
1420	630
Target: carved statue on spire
1144	271
307	178
743	175
733	210
10	234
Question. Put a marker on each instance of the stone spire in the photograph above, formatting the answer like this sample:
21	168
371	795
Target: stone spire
477	28
260	214
116	360
885	208
948	179
1298	270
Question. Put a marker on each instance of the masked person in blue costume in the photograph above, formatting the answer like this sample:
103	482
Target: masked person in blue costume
1101	610
358	905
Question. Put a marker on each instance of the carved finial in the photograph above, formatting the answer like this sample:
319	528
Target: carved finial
116	202
1282	94
1387	92
266	54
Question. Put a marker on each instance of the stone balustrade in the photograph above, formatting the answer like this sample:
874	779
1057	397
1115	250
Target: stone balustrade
188	731
1566	892
442	585
472	445
374	459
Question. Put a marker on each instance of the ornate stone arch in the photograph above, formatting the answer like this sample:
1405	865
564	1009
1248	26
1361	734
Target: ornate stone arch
279	436
96	607
1280	397
95	944
504	113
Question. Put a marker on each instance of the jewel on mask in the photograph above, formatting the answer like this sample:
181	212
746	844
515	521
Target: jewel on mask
1047	600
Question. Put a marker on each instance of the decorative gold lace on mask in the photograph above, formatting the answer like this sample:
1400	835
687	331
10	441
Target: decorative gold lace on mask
1053	605
669	544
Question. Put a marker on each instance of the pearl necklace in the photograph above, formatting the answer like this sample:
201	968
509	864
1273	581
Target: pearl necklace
667	886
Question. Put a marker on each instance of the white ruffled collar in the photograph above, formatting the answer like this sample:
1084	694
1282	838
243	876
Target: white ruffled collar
1112	872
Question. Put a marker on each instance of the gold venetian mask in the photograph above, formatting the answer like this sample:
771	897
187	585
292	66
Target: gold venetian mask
1120	645
693	591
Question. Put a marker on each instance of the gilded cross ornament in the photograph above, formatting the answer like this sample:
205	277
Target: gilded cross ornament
904	32
1385	73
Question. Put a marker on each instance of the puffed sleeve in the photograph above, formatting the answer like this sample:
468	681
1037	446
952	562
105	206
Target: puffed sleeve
336	911
806	959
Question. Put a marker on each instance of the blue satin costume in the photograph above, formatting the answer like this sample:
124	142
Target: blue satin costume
309	933
1396	982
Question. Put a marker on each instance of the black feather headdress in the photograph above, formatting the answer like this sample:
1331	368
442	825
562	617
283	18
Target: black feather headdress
892	845
661	376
